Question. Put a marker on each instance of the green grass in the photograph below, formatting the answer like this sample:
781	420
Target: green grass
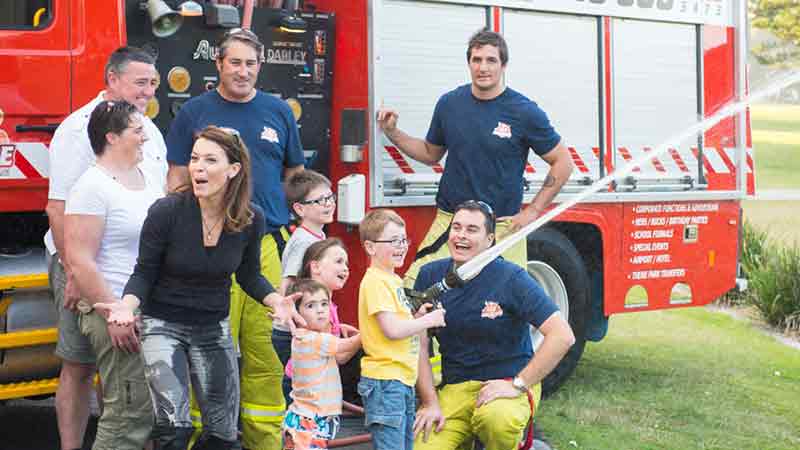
780	219
679	379
776	139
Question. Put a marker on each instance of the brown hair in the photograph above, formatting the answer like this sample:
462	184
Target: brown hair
236	200
244	36
299	185
375	221
488	37
306	286
316	252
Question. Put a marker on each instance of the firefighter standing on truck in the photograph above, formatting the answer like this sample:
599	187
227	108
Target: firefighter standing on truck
486	129
269	130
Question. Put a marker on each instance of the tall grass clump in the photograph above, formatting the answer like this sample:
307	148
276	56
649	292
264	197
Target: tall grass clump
754	243
773	271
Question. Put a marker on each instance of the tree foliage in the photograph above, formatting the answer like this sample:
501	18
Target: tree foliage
782	19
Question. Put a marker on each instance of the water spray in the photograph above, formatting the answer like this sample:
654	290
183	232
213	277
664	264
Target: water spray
469	270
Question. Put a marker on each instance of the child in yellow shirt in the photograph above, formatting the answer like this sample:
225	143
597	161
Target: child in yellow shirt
390	334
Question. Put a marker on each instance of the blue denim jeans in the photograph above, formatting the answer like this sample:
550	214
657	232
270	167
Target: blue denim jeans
176	355
389	406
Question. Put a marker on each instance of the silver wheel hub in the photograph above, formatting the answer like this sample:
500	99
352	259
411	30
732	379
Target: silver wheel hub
553	286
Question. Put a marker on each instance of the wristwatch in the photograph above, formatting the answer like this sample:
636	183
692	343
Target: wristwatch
519	384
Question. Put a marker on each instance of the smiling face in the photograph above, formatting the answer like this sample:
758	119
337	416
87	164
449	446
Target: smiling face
130	140
136	84
468	235
390	252
486	71
318	206
238	71
210	169
331	269
315	308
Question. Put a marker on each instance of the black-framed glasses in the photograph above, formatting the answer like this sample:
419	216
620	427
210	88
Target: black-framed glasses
398	242
321	201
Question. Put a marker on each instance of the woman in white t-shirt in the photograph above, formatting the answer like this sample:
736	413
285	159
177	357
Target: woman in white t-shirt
104	214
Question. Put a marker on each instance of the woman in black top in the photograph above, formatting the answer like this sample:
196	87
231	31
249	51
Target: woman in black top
191	243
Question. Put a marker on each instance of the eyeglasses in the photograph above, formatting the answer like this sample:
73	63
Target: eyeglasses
396	242
324	200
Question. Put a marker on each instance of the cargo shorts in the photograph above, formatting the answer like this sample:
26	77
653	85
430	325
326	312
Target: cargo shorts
128	415
72	345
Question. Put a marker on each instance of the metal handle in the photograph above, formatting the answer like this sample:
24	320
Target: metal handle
49	128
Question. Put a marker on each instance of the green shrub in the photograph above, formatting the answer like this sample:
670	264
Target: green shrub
774	274
754	242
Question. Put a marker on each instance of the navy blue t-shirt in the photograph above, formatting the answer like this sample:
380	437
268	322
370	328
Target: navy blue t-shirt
267	127
487	336
487	144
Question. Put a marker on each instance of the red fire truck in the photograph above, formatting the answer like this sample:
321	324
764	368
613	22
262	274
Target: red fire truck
616	78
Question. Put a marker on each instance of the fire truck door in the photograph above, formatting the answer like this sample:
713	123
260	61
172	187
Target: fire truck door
35	76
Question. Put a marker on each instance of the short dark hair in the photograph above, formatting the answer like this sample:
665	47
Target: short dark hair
489	219
306	286
244	36
488	37
108	117
118	60
299	185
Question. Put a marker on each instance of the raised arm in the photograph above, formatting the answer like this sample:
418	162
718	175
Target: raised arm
347	348
418	149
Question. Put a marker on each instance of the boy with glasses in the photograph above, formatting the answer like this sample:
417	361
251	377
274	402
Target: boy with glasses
390	334
310	197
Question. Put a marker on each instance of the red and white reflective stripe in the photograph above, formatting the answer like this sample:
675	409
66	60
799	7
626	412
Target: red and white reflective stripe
578	161
678	160
731	154
24	160
655	161
399	159
587	161
626	155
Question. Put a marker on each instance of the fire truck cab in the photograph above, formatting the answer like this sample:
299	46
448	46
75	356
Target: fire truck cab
617	78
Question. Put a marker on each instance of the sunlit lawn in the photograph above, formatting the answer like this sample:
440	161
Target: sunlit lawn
776	139
679	379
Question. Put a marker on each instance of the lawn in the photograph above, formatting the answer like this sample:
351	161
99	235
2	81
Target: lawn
778	218
679	379
776	139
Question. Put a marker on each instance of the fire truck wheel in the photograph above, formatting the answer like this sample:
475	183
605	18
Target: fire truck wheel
558	267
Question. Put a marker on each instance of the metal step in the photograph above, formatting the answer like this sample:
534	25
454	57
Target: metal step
28	338
28	388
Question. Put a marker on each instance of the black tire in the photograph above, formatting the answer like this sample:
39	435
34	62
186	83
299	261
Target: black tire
553	248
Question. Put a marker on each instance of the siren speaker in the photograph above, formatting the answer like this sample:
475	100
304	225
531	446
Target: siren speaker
165	20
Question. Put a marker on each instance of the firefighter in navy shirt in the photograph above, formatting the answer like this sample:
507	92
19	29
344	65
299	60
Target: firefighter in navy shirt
488	363
486	129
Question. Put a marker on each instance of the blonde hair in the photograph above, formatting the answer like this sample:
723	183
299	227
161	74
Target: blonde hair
375	221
